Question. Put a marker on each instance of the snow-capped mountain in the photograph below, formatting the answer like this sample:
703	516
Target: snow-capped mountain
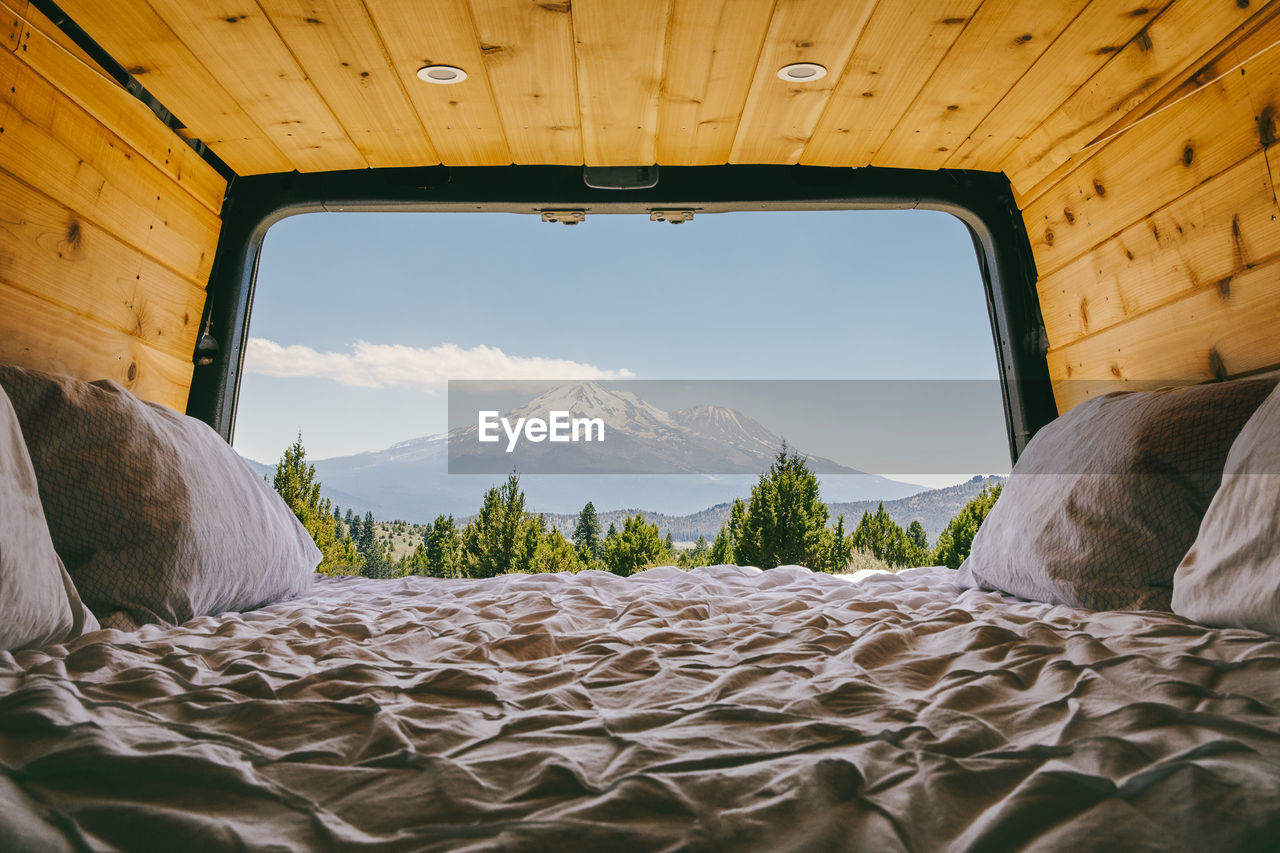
673	462
640	439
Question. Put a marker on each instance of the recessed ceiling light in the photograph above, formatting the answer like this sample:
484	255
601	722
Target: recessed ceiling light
443	74
802	72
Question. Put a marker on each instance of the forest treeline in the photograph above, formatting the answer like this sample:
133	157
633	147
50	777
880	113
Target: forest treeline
783	522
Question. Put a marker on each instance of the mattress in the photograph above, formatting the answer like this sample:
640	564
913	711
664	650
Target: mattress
723	708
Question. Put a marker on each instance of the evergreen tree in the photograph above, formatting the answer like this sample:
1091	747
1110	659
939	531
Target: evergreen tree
918	551
878	535
695	556
635	548
917	535
442	544
555	554
295	481
586	534
839	547
956	539
499	539
721	552
784	521
377	563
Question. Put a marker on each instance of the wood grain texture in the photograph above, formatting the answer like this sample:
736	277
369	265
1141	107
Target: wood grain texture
1003	40
1185	32
1098	32
897	54
51	143
462	119
12	20
340	50
711	55
779	116
527	51
1203	240
1155	163
1203	336
38	334
50	251
619	64
237	42
141	41
72	73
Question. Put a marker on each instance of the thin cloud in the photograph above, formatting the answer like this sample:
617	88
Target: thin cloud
369	365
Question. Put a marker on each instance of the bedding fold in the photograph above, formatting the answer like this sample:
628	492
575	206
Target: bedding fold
717	709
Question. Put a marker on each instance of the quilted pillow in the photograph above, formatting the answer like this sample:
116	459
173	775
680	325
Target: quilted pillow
38	603
1106	500
156	518
1231	575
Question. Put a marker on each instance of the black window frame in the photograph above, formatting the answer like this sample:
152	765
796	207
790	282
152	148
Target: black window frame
983	201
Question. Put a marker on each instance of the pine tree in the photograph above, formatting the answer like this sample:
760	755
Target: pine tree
784	521
918	551
442	544
499	540
955	541
586	534
295	481
839	547
377	563
695	556
880	536
555	554
721	552
635	548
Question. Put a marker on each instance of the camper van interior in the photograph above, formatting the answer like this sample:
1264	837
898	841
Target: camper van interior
1102	673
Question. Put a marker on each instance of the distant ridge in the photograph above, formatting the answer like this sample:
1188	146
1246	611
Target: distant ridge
933	508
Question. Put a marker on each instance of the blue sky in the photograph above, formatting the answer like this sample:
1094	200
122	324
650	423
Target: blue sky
352	311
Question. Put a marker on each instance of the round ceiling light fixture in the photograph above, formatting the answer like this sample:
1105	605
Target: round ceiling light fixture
802	72
441	74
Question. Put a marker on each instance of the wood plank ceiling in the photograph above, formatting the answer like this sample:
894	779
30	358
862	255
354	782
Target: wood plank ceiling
1003	85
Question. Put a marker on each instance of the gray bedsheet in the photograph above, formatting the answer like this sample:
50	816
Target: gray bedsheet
720	709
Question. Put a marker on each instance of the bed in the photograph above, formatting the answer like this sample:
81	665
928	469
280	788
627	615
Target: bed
719	708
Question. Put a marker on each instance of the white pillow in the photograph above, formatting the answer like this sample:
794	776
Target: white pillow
1105	500
1231	575
156	518
38	603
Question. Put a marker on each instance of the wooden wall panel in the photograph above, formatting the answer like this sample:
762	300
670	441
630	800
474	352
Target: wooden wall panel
779	116
1159	248
1098	32
712	50
1176	41
339	48
461	119
897	54
619	77
259	71
52	56
108	225
139	39
1144	169
1001	42
1205	336
527	49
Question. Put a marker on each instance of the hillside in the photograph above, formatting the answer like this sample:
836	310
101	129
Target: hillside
934	508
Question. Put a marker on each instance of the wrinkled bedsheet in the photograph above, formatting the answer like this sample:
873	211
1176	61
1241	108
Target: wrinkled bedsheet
725	708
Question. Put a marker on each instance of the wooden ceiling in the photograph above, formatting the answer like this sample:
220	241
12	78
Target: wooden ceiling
1008	85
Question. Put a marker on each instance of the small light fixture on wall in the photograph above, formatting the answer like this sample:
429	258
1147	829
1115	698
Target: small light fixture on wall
441	74
802	72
